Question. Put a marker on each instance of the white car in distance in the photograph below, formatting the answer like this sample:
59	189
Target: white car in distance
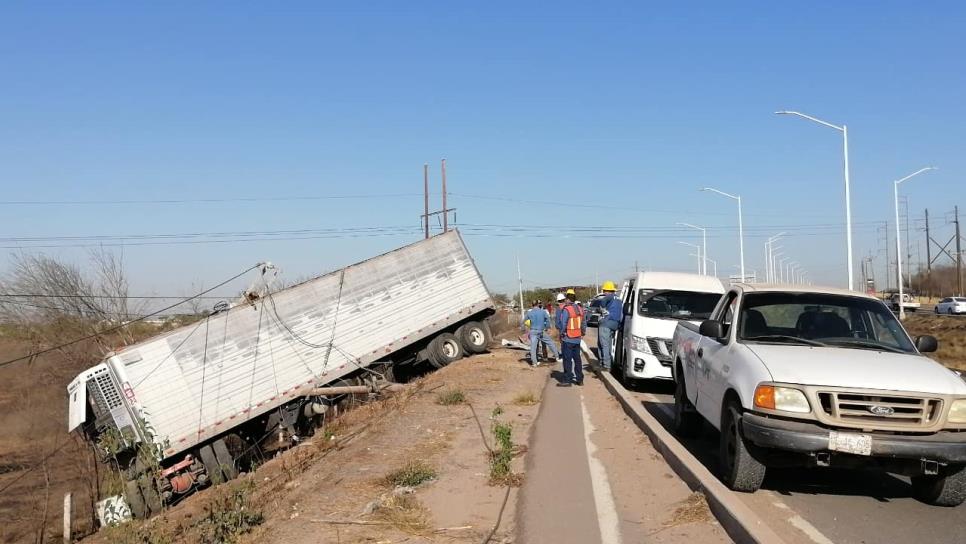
952	306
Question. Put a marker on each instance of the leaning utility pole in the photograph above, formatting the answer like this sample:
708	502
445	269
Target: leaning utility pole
445	211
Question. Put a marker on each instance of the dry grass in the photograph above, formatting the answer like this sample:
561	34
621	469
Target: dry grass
951	333
693	509
405	513
451	397
412	474
525	398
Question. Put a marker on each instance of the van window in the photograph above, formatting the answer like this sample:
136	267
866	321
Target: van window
688	305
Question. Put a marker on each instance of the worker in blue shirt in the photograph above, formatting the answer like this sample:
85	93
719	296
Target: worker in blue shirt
539	319
610	321
572	327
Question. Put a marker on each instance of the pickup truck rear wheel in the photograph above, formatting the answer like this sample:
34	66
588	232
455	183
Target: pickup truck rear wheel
687	422
740	470
947	488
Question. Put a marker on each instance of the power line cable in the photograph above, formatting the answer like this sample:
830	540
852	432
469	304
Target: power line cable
203	200
123	325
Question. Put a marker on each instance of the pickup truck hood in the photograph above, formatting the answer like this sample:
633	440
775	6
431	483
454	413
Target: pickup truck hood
858	368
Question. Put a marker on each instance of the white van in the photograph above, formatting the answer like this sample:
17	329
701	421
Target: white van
654	303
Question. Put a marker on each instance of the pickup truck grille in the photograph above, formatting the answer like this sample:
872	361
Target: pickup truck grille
875	409
660	348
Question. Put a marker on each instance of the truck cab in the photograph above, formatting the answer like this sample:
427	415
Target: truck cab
654	303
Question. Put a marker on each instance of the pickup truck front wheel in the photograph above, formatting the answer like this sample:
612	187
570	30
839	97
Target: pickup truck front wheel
687	422
740	470
947	488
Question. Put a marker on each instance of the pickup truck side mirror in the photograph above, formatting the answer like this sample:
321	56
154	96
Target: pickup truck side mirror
927	344
711	329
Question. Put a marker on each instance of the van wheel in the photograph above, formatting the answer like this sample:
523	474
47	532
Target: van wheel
132	494
687	422
225	461
740	470
945	489
474	337
444	349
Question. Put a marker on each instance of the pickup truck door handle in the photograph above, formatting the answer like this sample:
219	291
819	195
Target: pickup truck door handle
700	353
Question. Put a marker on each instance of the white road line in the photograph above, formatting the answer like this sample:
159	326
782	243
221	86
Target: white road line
804	526
607	518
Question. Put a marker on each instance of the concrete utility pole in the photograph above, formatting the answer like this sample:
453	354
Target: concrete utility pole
426	198
959	257
928	258
520	279
445	211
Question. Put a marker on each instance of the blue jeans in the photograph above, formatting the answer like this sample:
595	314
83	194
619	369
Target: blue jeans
573	367
535	338
605	339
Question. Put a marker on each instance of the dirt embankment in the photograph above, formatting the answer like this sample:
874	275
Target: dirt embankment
431	464
39	461
951	333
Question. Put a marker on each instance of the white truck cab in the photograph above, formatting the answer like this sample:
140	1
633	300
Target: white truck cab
654	303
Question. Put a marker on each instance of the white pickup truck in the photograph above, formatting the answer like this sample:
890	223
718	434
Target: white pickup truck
802	376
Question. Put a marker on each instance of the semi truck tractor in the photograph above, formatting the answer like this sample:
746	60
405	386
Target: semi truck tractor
181	410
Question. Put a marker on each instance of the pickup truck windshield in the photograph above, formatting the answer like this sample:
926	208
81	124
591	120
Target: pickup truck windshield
676	304
824	319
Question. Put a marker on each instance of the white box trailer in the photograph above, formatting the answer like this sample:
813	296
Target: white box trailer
251	370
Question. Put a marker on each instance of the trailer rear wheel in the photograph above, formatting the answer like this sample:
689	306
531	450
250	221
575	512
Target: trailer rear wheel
132	494
225	460
444	349
212	467
474	337
149	491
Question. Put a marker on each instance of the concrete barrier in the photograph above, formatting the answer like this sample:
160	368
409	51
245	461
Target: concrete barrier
742	524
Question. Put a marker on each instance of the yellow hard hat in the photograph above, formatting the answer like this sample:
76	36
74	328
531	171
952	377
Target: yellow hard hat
609	286
571	291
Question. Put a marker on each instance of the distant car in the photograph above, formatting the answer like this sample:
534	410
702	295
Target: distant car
951	305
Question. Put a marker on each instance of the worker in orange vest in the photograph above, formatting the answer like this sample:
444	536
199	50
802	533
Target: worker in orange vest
572	326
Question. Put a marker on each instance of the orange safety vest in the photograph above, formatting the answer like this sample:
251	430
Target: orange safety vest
575	317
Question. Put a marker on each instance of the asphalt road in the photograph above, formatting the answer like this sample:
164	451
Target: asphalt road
827	505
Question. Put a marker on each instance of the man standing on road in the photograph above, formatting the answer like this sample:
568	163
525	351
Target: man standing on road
572	327
539	323
609	323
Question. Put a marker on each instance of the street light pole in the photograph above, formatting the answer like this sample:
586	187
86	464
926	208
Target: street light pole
895	194
741	231
698	248
769	265
781	269
704	245
844	129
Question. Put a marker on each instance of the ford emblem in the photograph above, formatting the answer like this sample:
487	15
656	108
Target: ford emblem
881	410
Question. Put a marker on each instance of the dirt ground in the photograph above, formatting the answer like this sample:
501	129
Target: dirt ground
951	333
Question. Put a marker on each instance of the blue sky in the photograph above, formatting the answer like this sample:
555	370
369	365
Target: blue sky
620	111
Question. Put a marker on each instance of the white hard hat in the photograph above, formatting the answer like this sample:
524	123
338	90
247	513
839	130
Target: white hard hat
561	297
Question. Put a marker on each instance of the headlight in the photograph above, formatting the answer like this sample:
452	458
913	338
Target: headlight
786	399
639	344
957	412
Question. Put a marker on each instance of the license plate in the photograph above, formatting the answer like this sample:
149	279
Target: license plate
858	444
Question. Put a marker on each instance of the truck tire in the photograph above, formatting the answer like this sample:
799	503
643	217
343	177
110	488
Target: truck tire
212	467
149	491
740	471
945	489
225	460
474	337
444	349
687	421
132	494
